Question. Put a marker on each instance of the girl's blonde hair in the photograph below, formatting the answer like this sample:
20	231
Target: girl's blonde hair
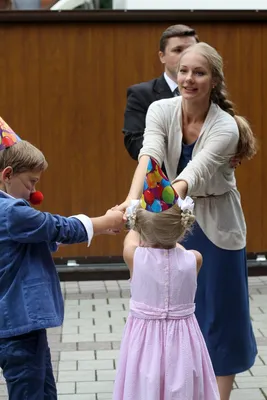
22	157
162	229
247	146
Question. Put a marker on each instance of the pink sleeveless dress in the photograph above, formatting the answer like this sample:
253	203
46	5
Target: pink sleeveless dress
163	355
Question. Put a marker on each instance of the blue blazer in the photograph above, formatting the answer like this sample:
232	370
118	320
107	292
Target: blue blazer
30	293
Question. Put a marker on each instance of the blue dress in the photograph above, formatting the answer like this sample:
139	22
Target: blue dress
222	299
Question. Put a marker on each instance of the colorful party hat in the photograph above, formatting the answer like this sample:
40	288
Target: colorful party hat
7	136
158	193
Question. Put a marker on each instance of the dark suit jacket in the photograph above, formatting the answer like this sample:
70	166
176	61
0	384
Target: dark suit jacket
139	98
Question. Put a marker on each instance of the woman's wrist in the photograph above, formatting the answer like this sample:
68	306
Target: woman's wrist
181	187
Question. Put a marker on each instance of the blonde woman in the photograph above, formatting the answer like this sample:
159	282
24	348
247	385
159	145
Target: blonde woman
196	134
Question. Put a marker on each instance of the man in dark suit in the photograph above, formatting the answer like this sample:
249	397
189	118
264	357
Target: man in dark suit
173	41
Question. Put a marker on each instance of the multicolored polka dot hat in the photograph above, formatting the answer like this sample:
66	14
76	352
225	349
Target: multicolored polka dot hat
7	136
158	193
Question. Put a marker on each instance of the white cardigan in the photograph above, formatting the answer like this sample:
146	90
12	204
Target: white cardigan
211	180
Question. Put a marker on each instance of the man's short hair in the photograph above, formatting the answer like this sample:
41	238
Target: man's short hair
176	31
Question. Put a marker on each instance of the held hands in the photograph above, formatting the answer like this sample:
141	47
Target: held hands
116	221
110	223
122	207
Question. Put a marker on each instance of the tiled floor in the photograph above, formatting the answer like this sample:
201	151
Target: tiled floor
85	349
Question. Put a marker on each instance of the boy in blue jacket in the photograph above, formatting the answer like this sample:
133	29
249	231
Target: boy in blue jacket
30	296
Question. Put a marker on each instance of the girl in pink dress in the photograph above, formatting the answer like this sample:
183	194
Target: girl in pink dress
163	355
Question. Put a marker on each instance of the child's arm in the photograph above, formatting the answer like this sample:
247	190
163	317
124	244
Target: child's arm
199	259
27	225
113	220
180	246
131	242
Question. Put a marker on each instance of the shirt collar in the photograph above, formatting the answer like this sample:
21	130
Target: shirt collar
172	85
6	194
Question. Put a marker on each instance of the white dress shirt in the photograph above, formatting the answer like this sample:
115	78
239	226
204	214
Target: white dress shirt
172	85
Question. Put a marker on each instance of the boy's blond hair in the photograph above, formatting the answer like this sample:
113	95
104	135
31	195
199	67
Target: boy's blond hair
22	157
162	229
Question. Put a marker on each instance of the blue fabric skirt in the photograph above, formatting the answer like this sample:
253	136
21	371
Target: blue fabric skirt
222	305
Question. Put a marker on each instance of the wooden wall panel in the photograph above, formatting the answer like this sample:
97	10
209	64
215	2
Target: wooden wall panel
262	179
63	87
19	77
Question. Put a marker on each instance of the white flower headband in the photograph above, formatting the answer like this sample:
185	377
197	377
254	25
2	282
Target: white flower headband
187	206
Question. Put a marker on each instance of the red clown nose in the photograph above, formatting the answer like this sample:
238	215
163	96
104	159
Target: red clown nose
36	198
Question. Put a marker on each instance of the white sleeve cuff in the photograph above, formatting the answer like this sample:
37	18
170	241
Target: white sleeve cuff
88	226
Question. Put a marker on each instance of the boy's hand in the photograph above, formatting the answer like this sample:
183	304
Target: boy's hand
111	223
116	219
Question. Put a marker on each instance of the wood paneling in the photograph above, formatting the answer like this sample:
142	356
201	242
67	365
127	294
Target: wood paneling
262	158
63	87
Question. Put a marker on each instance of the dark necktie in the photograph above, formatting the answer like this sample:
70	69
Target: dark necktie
176	92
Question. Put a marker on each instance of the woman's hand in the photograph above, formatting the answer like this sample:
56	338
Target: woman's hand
235	162
122	207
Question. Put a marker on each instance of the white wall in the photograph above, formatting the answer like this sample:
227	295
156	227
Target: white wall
190	4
